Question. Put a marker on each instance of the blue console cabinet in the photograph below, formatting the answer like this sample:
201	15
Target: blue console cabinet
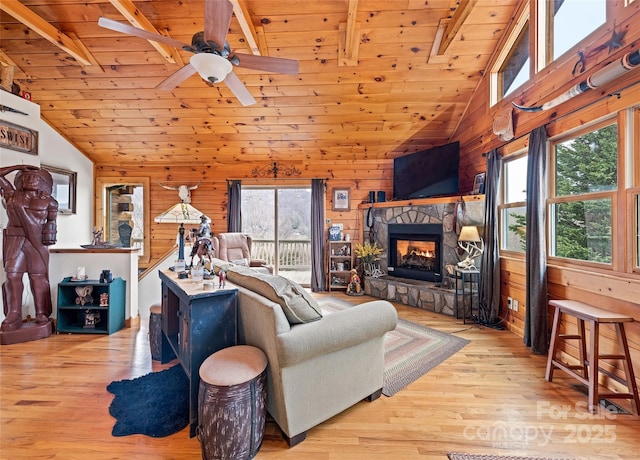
195	324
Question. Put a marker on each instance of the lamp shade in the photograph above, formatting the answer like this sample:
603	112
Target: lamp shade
181	213
469	233
211	67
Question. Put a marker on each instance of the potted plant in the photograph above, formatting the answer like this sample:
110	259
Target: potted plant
369	254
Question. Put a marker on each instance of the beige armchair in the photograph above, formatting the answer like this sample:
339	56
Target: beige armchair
235	247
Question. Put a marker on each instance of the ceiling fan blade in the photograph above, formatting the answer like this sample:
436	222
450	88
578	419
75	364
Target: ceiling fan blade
217	17
130	30
237	87
270	64
176	78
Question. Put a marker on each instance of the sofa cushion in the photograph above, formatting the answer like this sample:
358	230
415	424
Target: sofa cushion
297	304
219	264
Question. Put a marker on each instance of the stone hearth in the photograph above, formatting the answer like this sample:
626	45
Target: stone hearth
422	294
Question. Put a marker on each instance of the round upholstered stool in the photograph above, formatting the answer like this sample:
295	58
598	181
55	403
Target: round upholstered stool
232	403
155	332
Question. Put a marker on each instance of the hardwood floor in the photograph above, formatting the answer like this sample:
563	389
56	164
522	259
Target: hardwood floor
491	397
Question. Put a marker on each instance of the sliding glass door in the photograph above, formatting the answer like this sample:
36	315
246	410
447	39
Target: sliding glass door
278	219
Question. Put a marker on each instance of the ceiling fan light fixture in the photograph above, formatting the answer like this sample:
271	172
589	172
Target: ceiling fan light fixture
211	67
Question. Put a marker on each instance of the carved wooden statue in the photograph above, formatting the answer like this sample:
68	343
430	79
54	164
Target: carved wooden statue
32	213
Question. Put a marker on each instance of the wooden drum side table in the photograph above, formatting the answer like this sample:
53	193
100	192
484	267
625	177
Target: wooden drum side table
232	403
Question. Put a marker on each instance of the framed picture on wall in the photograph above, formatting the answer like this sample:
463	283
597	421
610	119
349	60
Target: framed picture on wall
478	184
64	188
341	199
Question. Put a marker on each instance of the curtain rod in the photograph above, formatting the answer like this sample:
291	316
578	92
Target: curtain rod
274	178
616	93
595	101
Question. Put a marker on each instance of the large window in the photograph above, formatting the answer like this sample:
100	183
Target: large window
512	66
513	209
544	34
278	219
573	20
584	194
515	70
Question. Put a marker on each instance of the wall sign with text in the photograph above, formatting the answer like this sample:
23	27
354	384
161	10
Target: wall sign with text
18	138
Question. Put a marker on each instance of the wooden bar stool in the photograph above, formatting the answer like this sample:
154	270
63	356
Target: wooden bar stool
587	370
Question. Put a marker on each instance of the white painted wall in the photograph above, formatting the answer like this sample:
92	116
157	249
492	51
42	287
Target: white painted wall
53	150
150	287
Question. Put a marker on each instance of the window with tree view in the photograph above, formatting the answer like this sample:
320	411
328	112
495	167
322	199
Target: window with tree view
585	185
513	209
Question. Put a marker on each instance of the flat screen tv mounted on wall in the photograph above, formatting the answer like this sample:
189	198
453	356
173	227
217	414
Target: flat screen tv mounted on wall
427	173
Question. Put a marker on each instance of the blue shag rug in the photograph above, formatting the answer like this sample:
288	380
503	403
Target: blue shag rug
156	404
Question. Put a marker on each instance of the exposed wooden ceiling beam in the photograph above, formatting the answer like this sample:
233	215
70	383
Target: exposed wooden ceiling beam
249	31
95	65
348	39
137	19
44	29
434	57
4	57
453	27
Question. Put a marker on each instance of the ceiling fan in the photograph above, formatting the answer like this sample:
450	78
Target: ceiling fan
212	57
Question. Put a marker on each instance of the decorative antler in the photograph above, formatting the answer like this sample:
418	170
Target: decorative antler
184	191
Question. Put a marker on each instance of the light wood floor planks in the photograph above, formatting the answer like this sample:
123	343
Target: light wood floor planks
491	397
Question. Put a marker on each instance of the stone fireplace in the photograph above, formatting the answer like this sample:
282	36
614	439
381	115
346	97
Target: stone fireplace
415	251
418	241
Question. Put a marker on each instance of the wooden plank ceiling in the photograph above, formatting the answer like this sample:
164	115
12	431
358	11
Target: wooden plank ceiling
371	84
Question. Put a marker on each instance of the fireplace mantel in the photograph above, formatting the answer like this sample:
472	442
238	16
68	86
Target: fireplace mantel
422	201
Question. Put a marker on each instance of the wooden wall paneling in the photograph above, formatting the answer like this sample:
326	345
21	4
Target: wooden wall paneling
211	195
513	284
610	292
617	289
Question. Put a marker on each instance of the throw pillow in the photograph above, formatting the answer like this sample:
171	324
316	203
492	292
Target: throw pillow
297	304
219	264
244	262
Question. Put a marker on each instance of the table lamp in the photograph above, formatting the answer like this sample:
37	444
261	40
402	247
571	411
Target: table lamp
470	241
182	213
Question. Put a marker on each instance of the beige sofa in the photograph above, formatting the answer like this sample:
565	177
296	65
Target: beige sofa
319	365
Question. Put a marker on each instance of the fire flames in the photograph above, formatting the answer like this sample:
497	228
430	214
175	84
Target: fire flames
417	254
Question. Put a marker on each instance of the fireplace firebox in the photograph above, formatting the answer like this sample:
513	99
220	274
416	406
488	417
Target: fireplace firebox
415	251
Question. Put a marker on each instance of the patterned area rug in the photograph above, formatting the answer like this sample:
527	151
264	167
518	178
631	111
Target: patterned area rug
411	350
460	456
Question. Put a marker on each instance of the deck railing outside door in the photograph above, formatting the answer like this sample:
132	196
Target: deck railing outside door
293	255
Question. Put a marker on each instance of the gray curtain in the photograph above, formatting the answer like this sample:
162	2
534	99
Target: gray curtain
536	334
234	217
490	268
317	235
